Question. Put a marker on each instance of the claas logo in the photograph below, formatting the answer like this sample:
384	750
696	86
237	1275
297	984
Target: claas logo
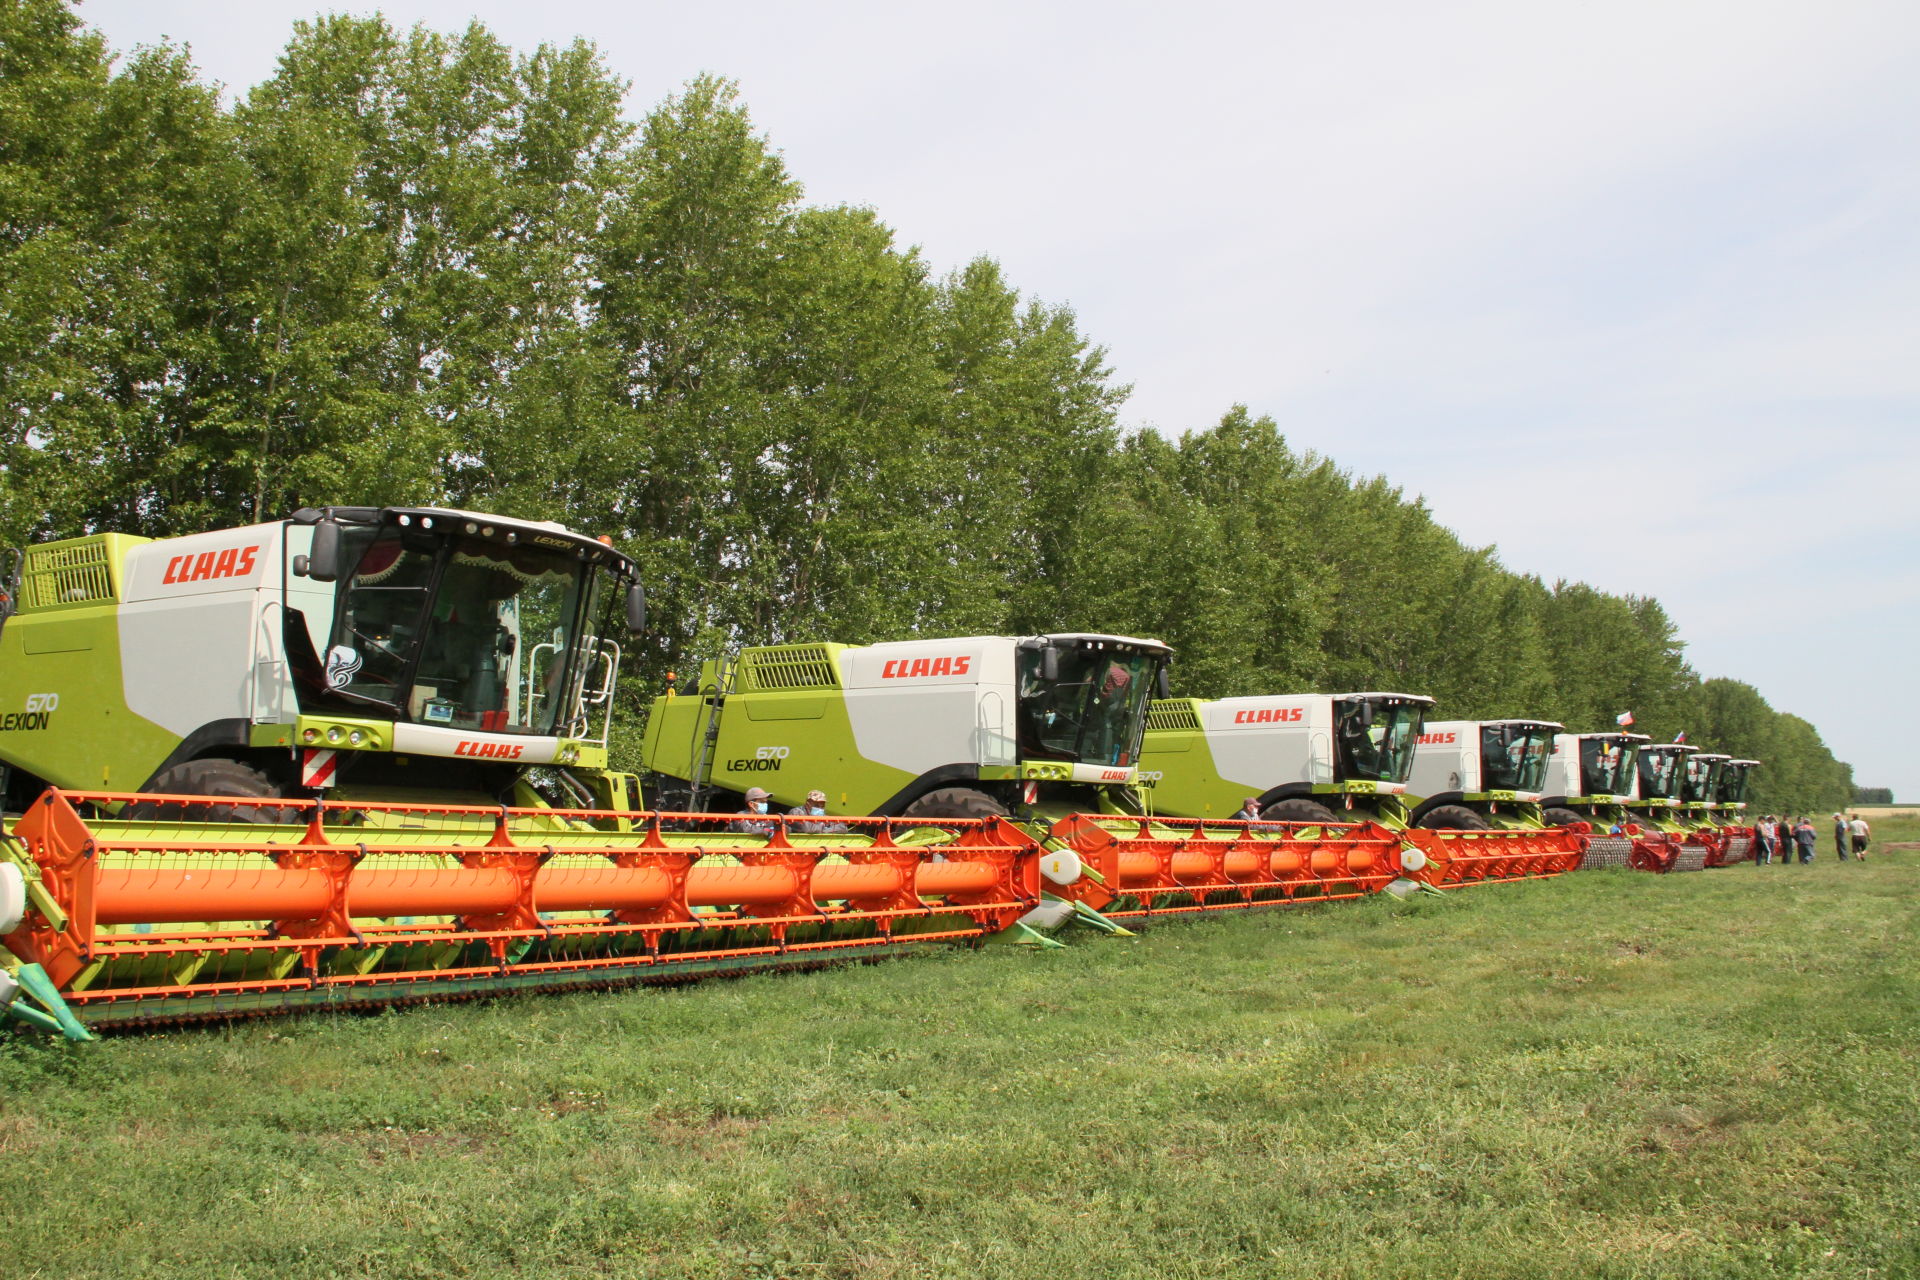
233	562
491	750
1270	715
1438	739
908	668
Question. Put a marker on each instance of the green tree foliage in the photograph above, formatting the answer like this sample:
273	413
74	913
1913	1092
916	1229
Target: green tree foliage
420	267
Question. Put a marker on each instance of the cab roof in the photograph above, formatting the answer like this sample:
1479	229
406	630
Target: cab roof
1083	637
1421	698
481	524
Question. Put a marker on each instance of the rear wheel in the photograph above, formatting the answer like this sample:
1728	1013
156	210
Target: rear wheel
1298	810
217	780
1558	817
1453	817
955	802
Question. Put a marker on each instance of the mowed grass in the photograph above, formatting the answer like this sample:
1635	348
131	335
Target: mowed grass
1605	1075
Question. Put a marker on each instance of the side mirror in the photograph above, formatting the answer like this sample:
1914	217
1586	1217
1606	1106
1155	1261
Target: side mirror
1163	682
323	563
1050	664
636	608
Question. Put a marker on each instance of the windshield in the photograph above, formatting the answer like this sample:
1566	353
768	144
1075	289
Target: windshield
1093	714
1733	783
1513	757
1701	774
1376	737
464	632
1658	772
1606	768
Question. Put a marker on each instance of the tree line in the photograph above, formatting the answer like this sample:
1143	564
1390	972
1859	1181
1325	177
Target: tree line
418	267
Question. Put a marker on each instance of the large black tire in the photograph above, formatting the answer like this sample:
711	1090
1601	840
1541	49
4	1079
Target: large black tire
1452	817
1298	809
955	802
1558	817
218	779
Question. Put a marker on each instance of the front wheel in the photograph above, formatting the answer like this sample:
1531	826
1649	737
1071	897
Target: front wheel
1453	817
217	780
1558	817
955	802
1298	810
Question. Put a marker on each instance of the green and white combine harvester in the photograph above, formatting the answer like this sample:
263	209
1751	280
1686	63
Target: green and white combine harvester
358	756
1676	801
1324	758
1712	795
1590	779
1045	730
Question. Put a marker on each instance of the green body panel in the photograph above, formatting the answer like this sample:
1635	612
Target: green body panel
91	739
810	725
1189	784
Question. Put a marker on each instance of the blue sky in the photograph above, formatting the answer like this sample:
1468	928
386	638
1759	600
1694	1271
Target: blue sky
1631	291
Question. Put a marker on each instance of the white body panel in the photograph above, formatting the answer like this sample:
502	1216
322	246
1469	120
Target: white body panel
1266	742
1563	768
1447	758
191	626
915	705
432	740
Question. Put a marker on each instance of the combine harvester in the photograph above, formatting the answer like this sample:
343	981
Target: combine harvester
1043	731
359	757
1589	779
1703	813
1667	843
1731	802
1333	758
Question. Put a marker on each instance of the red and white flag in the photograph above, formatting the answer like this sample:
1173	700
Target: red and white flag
1624	719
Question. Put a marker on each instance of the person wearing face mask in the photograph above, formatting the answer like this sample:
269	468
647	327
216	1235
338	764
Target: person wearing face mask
815	807
754	819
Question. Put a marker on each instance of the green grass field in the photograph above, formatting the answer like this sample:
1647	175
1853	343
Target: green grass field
1604	1075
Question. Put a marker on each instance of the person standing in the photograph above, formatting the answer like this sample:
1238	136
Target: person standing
1842	836
1860	831
1806	837
1765	833
1250	811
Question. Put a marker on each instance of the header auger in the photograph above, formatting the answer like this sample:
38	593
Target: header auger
355	903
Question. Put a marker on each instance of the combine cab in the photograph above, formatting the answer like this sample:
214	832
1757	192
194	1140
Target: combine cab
1589	779
1326	762
1045	731
359	756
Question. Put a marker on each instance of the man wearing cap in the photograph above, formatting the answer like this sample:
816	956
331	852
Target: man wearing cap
1250	811
753	819
815	807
